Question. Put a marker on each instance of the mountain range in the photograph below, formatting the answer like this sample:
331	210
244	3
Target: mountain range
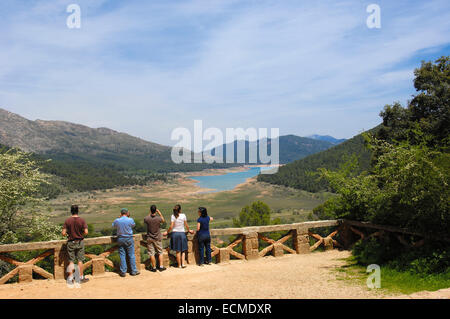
291	148
77	150
327	138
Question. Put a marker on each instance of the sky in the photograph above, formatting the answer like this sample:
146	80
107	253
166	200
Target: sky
148	67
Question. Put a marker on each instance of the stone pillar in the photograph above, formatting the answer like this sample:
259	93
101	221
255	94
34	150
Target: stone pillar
301	240
277	250
192	252
166	259
223	256
59	261
345	235
98	266
25	273
250	246
137	252
328	243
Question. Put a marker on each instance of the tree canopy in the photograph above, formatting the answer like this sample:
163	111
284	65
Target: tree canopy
256	214
20	181
427	112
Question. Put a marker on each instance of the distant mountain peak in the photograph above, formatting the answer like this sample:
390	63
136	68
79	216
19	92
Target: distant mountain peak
327	138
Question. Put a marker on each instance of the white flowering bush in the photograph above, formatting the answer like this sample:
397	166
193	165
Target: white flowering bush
20	180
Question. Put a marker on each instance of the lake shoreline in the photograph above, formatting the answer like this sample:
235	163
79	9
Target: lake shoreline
220	180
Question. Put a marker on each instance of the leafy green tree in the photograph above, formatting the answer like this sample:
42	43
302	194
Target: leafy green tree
429	110
407	187
257	214
425	119
20	181
407	184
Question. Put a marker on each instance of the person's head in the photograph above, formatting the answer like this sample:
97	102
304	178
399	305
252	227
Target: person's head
202	212
153	209
124	212
74	209
177	210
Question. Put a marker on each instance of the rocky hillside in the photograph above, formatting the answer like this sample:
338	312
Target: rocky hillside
45	137
84	158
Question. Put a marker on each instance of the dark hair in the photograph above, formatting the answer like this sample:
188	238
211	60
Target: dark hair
176	211
74	209
123	211
203	211
153	209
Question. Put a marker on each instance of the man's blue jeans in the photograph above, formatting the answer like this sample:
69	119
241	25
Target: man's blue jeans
126	248
204	243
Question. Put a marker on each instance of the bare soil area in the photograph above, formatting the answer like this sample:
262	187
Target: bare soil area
291	276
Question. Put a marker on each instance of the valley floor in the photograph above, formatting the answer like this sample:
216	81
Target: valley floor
100	208
290	276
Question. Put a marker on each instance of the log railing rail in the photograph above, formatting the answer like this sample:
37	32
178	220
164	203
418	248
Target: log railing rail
248	237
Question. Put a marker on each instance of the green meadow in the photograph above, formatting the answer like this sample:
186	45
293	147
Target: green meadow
100	208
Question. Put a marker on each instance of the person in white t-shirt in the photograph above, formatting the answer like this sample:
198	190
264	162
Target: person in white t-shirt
178	239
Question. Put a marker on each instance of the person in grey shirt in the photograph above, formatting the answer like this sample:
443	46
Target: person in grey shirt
154	237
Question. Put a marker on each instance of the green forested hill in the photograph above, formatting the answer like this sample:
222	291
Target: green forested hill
302	173
291	148
71	174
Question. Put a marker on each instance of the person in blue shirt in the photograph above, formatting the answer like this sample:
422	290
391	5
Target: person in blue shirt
124	226
203	235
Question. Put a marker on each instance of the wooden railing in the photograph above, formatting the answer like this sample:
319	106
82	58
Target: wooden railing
249	239
248	236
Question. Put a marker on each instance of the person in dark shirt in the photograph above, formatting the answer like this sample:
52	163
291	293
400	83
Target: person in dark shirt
154	237
203	235
75	228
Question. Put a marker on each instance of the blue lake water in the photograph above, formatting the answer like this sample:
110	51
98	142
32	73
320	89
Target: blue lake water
227	181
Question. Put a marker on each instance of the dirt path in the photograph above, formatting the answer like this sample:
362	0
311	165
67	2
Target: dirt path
291	276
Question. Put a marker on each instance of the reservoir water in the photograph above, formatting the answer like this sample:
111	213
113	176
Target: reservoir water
226	181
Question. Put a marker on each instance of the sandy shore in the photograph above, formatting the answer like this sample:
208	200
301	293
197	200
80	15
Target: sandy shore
215	171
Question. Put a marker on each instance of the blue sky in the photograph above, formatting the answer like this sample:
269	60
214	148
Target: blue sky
147	67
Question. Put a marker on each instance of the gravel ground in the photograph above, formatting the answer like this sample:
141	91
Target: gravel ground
290	276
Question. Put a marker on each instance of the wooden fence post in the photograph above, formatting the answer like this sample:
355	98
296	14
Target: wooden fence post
301	240
250	246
